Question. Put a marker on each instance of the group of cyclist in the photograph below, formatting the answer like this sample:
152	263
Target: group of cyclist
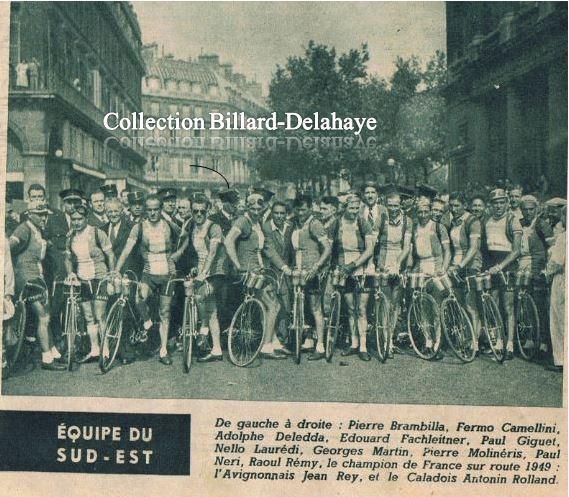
388	230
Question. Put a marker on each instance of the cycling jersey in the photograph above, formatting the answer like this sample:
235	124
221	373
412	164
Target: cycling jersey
464	231
156	246
350	238
88	248
533	252
201	238
499	237
29	253
307	241
428	243
250	243
392	236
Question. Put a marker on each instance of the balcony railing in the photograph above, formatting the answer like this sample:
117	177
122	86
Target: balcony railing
53	84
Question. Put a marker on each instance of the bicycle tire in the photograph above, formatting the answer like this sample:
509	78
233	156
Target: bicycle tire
458	330
333	325
298	323
113	333
493	327
527	326
189	331
70	331
382	326
19	322
422	316
245	340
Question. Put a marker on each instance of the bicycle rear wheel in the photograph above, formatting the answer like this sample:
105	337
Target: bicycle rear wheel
111	336
527	326
382	326
458	330
333	325
246	333
298	324
424	327
493	327
189	331
19	322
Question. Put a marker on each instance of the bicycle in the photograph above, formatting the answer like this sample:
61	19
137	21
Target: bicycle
121	314
19	324
457	327
298	324
77	339
381	316
423	319
527	318
189	329
246	332
490	318
338	280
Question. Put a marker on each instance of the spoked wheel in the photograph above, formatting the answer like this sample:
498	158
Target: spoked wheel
424	326
382	326
298	324
70	331
111	336
493	327
458	330
246	333
527	326
188	332
18	332
333	325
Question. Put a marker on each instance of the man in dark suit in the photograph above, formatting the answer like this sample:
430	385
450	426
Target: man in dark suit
97	216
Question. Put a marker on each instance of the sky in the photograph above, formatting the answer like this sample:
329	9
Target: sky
256	36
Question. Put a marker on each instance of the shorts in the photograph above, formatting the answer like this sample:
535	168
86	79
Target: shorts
359	284
158	284
313	286
88	290
34	294
215	283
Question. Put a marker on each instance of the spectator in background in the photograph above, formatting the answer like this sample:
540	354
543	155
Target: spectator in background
555	269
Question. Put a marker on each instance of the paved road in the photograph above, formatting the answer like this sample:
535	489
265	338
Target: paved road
403	380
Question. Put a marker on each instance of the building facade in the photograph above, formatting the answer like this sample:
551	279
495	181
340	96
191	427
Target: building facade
194	89
507	93
70	64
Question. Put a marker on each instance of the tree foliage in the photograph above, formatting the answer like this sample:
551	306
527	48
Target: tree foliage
408	107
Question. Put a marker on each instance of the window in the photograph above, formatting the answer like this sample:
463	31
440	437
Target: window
155	108
172	109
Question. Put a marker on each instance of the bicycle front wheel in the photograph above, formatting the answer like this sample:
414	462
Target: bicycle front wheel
424	327
298	323
246	333
333	325
111	336
458	330
70	331
189	331
382	325
19	323
493	327
527	326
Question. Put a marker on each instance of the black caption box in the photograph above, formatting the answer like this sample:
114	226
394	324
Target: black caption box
146	444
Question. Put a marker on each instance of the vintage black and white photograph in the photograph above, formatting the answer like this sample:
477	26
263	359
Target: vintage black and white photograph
269	201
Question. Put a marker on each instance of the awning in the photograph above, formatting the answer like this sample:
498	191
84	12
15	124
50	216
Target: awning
89	171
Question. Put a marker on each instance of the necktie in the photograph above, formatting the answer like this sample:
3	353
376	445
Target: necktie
113	233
